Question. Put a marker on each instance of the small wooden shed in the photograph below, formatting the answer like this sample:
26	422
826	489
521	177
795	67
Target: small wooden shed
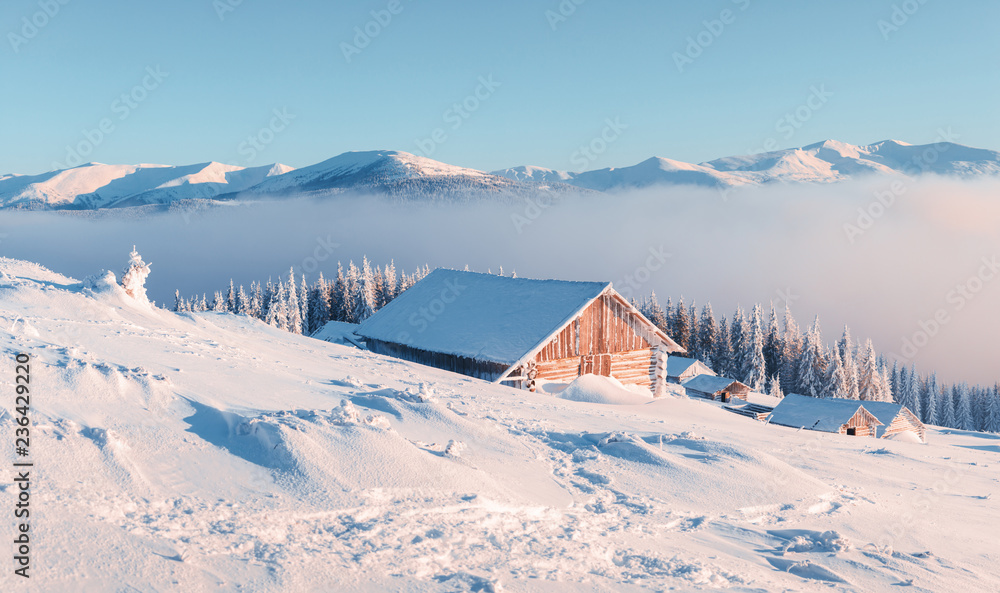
680	369
715	388
520	331
843	416
896	419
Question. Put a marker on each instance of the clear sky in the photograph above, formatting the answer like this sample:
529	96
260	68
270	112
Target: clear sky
558	75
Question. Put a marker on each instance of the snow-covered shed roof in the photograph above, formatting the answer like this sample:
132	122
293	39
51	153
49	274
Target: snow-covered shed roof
480	316
708	383
677	365
815	413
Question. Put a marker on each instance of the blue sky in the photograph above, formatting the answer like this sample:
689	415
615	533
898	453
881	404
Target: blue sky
225	67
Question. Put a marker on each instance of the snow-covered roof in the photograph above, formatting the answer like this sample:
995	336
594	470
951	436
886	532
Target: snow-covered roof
886	412
335	331
677	365
480	316
814	413
708	383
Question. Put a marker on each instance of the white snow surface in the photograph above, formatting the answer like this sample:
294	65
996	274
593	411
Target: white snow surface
596	389
209	452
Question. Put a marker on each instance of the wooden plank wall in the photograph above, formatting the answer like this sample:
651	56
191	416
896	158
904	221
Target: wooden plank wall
905	421
863	422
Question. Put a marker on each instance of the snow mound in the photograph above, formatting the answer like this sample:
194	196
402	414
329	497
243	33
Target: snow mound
601	390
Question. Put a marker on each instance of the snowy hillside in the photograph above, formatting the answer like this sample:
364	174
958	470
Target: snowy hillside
209	452
96	185
823	162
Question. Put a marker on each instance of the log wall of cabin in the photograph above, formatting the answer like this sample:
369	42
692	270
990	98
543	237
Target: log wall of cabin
863	423
606	327
905	421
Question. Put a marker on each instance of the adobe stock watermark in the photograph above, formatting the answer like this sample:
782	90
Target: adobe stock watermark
258	141
224	7
886	198
631	284
123	107
32	25
899	16
430	311
325	248
587	153
710	32
365	34
456	115
792	121
956	300
562	12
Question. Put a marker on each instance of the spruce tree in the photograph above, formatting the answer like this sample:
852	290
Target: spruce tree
812	366
277	308
993	409
682	325
756	364
178	301
772	344
231	297
791	350
868	376
655	313
946	407
836	377
846	349
739	338
708	335
963	408
292	306
307	329
931	394
775	389
722	359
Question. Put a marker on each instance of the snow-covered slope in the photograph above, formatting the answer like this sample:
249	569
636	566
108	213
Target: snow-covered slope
823	162
209	452
97	185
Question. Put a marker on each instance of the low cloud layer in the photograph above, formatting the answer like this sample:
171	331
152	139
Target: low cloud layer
913	265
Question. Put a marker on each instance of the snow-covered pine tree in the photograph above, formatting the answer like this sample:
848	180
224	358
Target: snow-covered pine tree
908	392
739	337
337	295
654	312
708	334
203	304
775	389
791	350
304	305
277	307
219	302
695	346
364	303
134	277
812	366
931	392
946	407
846	349
319	308
993	409
231	297
756	364
836	377
178	301
963	408
772	344
668	312
868	376
243	301
885	381
389	278
350	296
292	306
722	356
682	325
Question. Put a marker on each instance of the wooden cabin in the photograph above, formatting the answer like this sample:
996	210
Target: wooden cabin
843	416
896	419
520	331
715	388
680	369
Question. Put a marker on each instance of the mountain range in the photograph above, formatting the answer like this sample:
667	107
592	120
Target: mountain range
406	176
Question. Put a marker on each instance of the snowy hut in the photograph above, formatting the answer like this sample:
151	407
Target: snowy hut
680	369
843	416
520	331
896	419
713	388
